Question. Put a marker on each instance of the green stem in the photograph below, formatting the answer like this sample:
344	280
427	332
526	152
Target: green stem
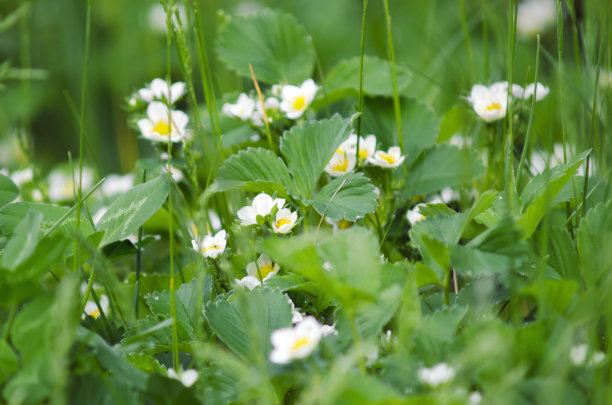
531	112
466	36
175	360
138	257
92	276
509	141
360	104
82	133
396	99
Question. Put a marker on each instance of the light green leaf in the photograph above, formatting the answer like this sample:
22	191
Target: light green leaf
420	125
542	190
8	362
354	199
439	167
562	255
556	295
8	190
258	170
376	78
187	310
12	214
272	41
595	243
22	244
246	323
132	209
308	147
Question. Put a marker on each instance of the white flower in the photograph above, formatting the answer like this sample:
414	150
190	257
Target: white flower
187	377
212	246
285	220
61	187
243	109
414	215
214	220
489	103
392	158
156	126
517	91
264	268
542	91
117	184
446	196
578	356
328	330
175	173
295	100
341	163
367	146
158	90
475	398
92	309
262	205
296	317
270	104
20	177
249	282
438	374
535	16
295	342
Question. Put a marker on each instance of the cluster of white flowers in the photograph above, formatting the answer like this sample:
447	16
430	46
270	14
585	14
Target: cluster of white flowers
163	122
298	341
345	157
91	308
436	375
258	272
186	377
264	207
211	246
292	101
490	103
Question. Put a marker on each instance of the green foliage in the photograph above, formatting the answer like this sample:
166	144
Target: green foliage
594	239
347	197
130	211
273	42
8	190
12	214
245	322
308	147
439	167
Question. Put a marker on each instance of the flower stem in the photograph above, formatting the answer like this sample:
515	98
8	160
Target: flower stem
360	104
396	99
82	134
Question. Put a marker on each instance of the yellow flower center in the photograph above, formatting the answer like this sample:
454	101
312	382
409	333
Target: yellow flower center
299	342
341	165
95	313
299	103
213	246
162	128
494	106
363	153
387	158
282	221
264	271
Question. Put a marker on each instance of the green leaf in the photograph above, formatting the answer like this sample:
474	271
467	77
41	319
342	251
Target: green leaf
258	170
562	254
439	167
12	214
187	309
594	240
354	199
420	125
127	213
22	244
425	275
542	190
8	362
8	190
556	295
376	78
272	41
246	323
437	331
308	147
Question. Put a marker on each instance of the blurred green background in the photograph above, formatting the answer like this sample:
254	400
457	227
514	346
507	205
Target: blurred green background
128	50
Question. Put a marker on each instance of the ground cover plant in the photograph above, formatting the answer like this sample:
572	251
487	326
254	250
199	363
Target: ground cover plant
279	202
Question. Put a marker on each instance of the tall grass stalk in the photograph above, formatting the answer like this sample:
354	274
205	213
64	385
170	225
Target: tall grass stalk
466	36
396	99
169	7
509	139
527	144
82	133
360	103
